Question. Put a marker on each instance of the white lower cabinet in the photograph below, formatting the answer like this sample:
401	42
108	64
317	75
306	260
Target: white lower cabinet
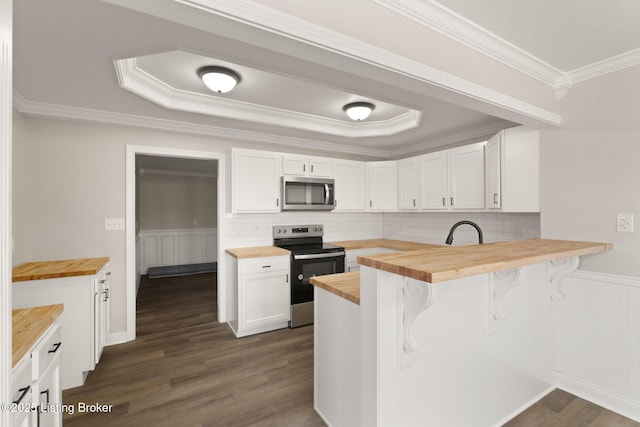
36	384
259	294
85	320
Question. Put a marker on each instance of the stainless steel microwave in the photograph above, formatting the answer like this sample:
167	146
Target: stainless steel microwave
307	194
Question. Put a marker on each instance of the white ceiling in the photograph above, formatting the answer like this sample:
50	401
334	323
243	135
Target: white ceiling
66	52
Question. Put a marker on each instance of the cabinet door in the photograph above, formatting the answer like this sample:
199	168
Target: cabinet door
264	299
295	165
381	186
492	171
434	174
49	395
351	185
466	177
320	167
408	184
256	180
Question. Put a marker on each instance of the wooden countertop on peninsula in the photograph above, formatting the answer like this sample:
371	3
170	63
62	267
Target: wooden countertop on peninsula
28	325
345	285
399	245
257	252
442	263
56	269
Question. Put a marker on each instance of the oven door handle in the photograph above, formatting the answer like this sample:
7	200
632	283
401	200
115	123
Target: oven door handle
314	256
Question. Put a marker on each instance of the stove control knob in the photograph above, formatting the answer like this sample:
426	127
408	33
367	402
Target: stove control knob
300	277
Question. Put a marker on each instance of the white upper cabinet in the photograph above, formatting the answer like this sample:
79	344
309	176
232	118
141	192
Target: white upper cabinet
351	185
453	179
381	186
434	180
255	181
307	166
466	177
408	184
513	170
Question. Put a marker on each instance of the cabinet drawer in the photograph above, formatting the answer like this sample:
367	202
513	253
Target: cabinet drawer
46	350
264	264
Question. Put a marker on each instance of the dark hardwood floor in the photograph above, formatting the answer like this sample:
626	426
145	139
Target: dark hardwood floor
186	369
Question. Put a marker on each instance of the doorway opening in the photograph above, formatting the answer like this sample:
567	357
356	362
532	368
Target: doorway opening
175	211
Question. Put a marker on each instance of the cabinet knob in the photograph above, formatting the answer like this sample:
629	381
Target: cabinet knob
495	198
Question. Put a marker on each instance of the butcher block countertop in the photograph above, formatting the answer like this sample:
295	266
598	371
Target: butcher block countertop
258	252
399	245
442	263
28	325
345	285
56	269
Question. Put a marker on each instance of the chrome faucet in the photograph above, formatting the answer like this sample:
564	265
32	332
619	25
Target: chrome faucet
471	223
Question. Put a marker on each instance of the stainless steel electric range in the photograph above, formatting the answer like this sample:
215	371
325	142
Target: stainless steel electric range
309	257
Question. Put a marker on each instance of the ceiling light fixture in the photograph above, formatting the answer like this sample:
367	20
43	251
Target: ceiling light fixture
358	110
219	79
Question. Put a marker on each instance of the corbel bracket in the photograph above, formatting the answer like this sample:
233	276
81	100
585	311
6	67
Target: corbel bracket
501	282
416	296
556	271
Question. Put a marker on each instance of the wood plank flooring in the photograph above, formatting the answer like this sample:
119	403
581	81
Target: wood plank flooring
186	369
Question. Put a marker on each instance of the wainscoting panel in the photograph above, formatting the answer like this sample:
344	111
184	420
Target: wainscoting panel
598	340
177	247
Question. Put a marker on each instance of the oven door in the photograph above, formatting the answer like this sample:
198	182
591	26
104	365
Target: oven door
305	266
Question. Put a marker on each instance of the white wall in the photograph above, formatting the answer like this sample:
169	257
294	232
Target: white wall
176	201
20	188
591	170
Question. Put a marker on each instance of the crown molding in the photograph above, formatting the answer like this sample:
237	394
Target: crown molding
475	135
436	17
142	83
146	171
606	66
39	109
202	14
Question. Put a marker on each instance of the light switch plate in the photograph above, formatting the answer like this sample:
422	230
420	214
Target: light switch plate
624	223
114	223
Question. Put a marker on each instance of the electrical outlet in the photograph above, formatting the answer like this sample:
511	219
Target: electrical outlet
624	223
114	223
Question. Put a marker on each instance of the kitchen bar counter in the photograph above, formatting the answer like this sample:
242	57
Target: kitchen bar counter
257	252
398	245
57	269
345	285
441	263
28	325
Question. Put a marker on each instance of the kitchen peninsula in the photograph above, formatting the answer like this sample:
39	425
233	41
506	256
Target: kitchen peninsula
453	336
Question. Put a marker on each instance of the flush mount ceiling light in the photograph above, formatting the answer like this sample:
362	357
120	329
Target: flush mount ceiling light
219	79
358	110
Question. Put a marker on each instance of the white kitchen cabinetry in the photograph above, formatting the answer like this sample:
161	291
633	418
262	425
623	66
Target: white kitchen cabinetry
408	184
453	179
351	185
307	166
255	182
84	320
381	186
259	293
102	307
35	381
512	167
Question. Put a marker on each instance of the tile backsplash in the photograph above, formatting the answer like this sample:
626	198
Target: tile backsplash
427	227
433	227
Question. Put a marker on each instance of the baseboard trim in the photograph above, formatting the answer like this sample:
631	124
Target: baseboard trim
525	406
599	396
117	338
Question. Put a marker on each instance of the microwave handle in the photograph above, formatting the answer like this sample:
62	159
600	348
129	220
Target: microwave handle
326	194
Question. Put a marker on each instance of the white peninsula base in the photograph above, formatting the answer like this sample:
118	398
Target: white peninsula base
473	351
